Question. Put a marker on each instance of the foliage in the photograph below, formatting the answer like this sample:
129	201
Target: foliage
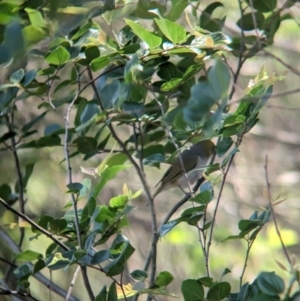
170	84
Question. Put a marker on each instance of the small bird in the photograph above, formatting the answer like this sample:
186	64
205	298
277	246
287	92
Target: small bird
193	159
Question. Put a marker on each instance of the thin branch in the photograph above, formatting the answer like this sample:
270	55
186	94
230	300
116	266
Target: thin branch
34	225
289	67
74	200
240	58
19	294
71	286
13	148
273	213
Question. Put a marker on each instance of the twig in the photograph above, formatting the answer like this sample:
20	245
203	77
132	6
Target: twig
74	200
240	59
273	213
72	283
33	224
19	175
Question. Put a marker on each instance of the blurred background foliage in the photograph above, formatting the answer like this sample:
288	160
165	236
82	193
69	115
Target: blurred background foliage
277	135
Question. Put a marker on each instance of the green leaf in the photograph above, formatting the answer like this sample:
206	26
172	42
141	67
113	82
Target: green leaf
151	39
205	17
29	255
17	76
163	278
176	9
219	77
5	192
234	119
107	175
200	103
58	56
139	275
112	292
100	256
74	187
59	260
57	226
248	225
224	146
166	228
154	159
247	23
218	291
173	31
172	84
192	290
117	159
22	272
263	6
270	284
101	62
36	18
119	201
102	296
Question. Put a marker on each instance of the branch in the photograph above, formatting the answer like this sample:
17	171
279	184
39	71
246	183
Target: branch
273	214
34	225
74	201
19	175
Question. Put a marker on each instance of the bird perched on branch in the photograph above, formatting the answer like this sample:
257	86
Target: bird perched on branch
190	166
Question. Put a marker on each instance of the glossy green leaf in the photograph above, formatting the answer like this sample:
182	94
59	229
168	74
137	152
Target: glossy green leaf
29	255
100	257
224	145
270	284
247	23
173	31
219	291
57	226
146	36
118	201
36	18
101	62
58	56
102	296
205	17
154	159
192	290
163	278
139	275
263	6
17	76
112	293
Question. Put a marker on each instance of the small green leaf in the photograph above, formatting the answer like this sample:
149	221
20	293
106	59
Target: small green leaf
247	21
57	226
218	291
166	228
29	255
112	293
154	159
248	225
173	31
102	296
139	275
224	146
148	37
118	201
74	187
100	256
58	56
234	119
163	279
192	290
101	62
270	284
17	76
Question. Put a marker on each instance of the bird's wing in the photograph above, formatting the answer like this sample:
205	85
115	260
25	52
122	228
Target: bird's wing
175	171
